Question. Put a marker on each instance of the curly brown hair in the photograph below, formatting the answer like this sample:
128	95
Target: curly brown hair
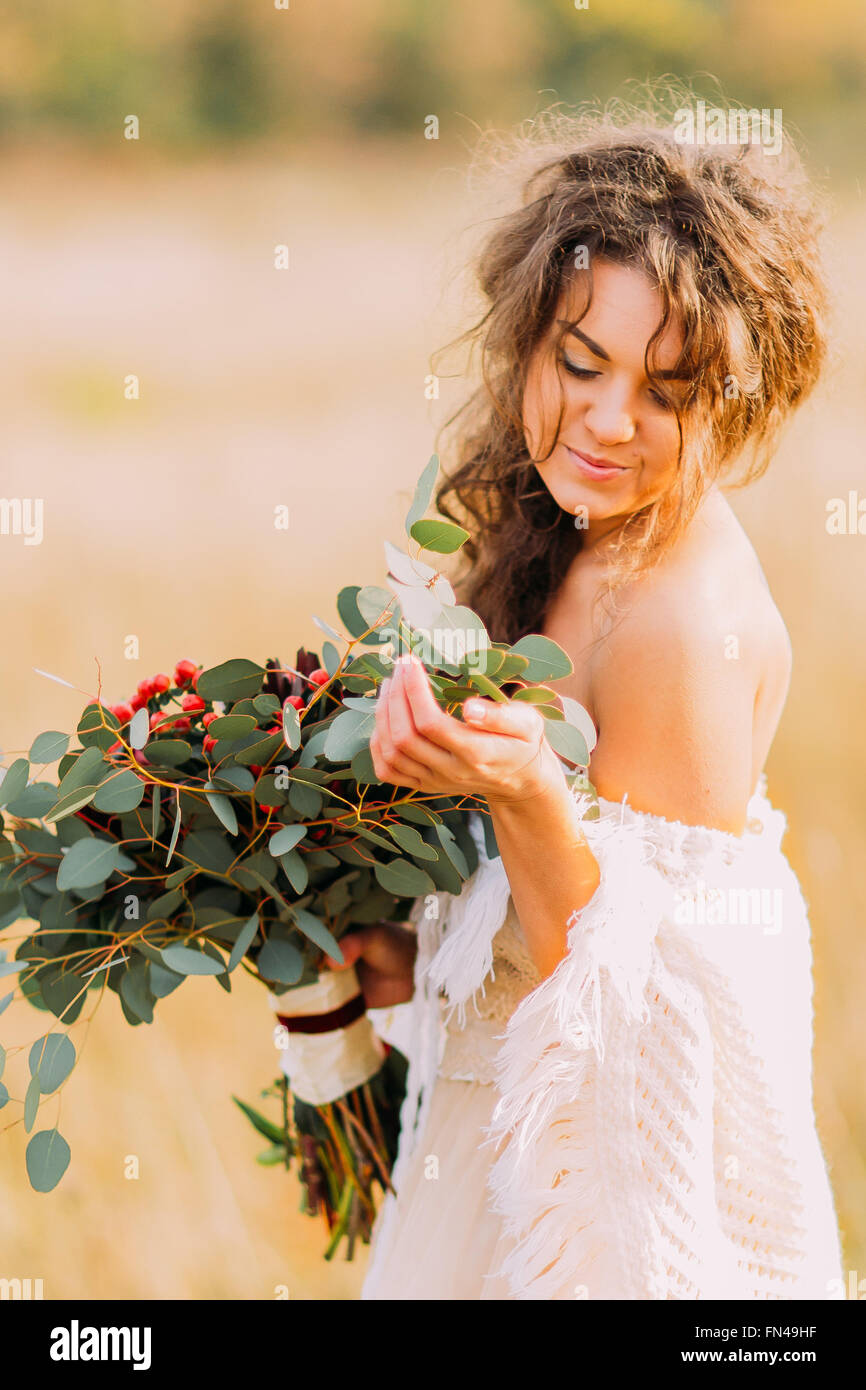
728	234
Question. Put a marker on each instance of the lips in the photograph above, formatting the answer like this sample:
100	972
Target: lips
592	467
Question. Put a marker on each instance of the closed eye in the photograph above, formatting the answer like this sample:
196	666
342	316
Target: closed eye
582	372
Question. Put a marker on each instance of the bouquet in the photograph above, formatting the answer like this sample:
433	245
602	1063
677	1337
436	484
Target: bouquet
231	818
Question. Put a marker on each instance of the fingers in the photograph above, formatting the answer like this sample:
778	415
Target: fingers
427	717
391	740
352	947
516	718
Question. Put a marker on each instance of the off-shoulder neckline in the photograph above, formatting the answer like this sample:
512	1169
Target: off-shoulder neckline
760	812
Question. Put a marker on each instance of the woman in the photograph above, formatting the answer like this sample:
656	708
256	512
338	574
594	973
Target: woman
626	1111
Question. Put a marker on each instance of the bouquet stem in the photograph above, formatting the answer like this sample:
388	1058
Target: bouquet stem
341	1092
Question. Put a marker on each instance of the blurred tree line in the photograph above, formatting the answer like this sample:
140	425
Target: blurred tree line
203	71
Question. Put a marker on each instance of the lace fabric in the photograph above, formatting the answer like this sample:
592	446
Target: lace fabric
470	1050
654	1133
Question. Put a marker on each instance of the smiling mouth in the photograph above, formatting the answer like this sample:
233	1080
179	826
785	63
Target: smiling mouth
592	467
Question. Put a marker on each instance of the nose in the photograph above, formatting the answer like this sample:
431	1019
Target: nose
609	419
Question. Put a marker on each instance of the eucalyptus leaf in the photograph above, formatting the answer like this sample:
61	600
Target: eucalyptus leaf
402	879
568	742
51	1059
285	839
176	831
121	791
222	808
442	537
238	778
547	660
423	493
244	940
35	801
71	802
291	726
163	981
352	618
232	680
409	839
87	770
14	780
139	728
31	1103
349	733
98	727
326	628
210	850
186	961
168	752
135	990
88	862
314	928
372	602
47	1158
295	869
48	747
279	959
232	726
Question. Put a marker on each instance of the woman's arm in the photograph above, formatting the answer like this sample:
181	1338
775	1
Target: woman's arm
551	868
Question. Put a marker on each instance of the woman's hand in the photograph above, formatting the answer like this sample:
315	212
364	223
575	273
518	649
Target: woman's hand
500	753
383	955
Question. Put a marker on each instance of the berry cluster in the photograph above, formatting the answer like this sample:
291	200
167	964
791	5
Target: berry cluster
186	674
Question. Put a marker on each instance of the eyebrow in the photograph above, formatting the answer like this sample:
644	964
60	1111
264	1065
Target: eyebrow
671	374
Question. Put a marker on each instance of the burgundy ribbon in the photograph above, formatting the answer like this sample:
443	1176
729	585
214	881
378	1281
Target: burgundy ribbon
325	1023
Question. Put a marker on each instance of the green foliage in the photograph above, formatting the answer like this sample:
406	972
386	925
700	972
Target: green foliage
248	840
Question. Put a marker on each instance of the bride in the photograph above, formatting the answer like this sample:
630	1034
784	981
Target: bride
610	1091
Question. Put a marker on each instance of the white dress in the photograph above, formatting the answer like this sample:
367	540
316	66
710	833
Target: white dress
638	1125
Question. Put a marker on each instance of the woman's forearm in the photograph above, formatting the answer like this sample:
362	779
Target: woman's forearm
551	868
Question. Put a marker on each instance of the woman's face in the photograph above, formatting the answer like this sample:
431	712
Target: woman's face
618	442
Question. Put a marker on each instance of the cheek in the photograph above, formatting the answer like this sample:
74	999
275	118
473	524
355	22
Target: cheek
541	406
660	455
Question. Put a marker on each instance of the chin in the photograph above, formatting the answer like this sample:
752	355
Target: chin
596	501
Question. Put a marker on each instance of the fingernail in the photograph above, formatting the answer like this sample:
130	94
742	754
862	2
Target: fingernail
476	709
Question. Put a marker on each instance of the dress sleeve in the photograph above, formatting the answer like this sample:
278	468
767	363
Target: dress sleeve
606	1154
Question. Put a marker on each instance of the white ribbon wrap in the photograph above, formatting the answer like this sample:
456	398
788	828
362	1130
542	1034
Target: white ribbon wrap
321	1067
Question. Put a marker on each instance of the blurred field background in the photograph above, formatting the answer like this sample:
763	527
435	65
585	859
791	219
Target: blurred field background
306	388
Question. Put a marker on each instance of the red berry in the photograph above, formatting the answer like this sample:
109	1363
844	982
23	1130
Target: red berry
179	725
138	754
255	769
208	742
184	672
208	719
193	702
115	747
137	702
123	712
295	700
319	676
145	688
270	808
160	683
158	717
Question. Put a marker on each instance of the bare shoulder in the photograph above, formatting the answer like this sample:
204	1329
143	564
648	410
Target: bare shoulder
707	600
689	682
